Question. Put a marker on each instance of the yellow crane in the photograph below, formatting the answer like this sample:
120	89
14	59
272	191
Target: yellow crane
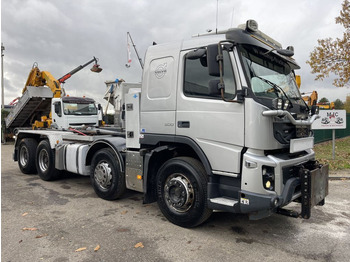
24	116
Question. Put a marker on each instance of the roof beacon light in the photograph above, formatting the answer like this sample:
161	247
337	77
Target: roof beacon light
290	48
252	25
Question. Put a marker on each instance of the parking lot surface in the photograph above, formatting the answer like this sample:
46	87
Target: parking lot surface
64	220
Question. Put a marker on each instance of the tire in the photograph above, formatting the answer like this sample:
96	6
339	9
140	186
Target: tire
26	155
106	176
45	161
182	192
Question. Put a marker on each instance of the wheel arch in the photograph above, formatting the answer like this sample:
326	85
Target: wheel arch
100	144
20	136
52	139
167	149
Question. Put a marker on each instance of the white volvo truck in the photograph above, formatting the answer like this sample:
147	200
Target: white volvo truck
217	123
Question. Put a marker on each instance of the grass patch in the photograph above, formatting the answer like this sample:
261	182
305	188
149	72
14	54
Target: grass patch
342	153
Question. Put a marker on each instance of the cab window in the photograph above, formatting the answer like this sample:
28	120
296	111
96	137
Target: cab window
196	79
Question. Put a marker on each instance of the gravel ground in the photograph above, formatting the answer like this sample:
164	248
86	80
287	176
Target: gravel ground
52	221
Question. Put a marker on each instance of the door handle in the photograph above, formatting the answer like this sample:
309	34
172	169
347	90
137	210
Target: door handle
183	124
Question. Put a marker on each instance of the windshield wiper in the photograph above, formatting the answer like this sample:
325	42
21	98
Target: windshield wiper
275	87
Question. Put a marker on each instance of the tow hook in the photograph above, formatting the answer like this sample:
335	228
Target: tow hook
288	213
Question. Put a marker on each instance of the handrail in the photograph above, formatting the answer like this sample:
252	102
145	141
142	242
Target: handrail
290	117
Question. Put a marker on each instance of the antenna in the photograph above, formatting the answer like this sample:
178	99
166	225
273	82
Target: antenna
233	10
137	54
217	15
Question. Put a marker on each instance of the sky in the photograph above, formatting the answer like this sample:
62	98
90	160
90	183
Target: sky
62	34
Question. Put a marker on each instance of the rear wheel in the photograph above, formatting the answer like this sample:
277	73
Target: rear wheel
182	191
45	161
26	155
106	176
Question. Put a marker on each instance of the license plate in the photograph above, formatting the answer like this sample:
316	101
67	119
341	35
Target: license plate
301	144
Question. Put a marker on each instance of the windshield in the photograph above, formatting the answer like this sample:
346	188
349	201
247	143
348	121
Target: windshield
270	76
79	109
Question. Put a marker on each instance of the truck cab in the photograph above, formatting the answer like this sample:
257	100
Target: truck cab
74	112
229	100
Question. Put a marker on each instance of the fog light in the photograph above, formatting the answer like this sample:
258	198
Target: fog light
268	178
267	184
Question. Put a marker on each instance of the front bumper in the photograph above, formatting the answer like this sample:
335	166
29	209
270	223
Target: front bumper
309	187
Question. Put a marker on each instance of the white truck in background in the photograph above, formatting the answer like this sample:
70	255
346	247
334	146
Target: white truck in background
218	123
73	112
33	109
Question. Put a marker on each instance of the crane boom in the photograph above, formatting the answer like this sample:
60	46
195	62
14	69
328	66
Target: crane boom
41	78
68	75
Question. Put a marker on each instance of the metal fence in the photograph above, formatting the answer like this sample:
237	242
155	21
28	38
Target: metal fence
326	134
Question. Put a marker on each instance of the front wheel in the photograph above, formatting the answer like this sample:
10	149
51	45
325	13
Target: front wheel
45	161
182	192
106	176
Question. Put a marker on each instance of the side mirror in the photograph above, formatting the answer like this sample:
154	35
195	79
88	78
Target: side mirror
58	109
200	54
213	59
196	54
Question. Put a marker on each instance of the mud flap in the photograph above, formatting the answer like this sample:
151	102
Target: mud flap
314	188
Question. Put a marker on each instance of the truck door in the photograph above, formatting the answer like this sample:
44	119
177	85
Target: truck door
57	114
215	125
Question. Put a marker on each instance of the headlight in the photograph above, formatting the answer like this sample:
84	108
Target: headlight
277	103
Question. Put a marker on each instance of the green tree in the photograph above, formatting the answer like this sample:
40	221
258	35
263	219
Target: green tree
338	104
323	100
333	56
347	105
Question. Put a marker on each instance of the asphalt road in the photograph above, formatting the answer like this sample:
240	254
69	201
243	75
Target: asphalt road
49	221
